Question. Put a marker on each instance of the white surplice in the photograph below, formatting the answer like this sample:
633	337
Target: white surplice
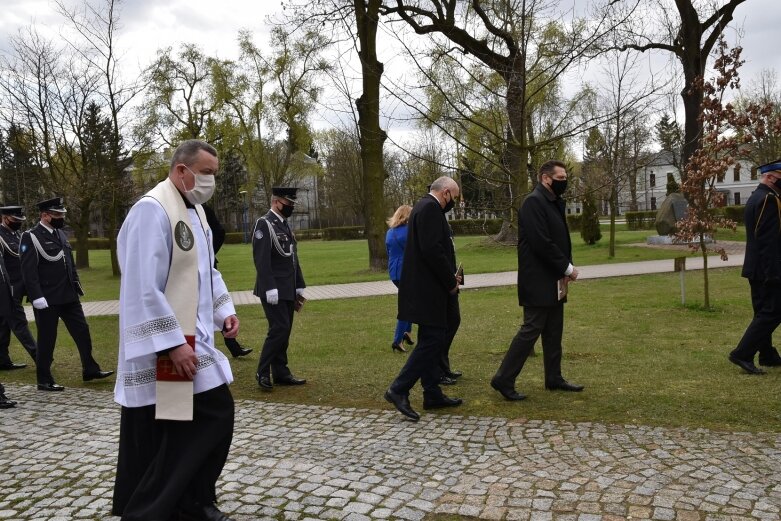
146	321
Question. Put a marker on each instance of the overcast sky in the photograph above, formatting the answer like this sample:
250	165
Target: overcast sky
148	25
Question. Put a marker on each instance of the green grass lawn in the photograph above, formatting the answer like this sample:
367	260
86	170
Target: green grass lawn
336	262
643	357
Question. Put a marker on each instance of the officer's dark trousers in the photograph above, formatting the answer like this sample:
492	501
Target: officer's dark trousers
766	301
15	321
453	323
72	316
423	363
547	321
273	357
164	465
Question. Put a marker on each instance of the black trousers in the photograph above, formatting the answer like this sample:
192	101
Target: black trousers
15	321
47	320
165	465
766	301
453	323
548	322
423	363
273	357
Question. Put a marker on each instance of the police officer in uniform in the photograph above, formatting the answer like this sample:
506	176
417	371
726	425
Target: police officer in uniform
12	317
53	287
762	268
279	285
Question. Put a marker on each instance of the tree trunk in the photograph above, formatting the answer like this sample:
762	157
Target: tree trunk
372	137
517	153
81	228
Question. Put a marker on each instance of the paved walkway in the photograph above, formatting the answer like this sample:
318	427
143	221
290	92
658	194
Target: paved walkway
299	462
302	462
483	280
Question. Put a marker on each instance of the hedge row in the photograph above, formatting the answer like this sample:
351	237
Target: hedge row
476	226
641	220
575	222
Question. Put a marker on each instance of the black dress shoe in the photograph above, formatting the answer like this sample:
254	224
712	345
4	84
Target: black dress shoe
402	405
241	351
202	513
398	347
264	382
746	365
441	402
408	339
10	366
289	380
564	386
50	387
772	362
5	403
509	394
96	375
446	380
453	374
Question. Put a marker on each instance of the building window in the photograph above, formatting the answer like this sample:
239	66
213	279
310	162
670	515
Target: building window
754	174
653	203
652	180
737	198
577	210
736	175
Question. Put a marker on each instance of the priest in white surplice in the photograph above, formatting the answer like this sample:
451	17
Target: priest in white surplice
177	411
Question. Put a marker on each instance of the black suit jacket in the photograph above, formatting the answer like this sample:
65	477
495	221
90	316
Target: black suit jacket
429	267
58	280
763	236
273	269
544	248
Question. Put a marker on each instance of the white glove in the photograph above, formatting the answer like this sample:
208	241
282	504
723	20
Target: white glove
272	297
40	303
299	291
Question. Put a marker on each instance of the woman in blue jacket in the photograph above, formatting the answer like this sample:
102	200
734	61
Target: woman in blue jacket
395	241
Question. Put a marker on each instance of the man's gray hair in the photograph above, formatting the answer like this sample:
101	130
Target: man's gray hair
442	183
187	152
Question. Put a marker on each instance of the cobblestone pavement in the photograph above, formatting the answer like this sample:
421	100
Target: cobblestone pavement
58	450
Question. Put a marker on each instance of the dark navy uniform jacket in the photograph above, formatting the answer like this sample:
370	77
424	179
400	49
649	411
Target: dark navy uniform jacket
10	253
57	280
763	236
276	258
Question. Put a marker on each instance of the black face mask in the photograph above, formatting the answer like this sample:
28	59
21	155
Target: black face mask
777	182
448	206
14	225
558	186
286	211
57	223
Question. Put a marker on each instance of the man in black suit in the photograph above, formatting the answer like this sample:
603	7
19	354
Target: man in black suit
428	281
12	317
762	268
544	266
218	234
279	285
53	287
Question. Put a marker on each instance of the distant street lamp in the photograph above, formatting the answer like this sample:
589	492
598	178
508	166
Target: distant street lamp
245	216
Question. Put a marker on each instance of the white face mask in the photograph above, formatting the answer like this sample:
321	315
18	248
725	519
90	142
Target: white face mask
203	189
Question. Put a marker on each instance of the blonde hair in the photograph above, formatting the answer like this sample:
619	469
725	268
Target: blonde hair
400	216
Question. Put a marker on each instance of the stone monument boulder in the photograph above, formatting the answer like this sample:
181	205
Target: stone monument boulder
673	207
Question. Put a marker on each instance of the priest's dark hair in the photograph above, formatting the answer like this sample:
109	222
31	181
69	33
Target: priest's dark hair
548	167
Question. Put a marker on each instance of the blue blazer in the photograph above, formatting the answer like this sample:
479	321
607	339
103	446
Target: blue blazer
395	242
